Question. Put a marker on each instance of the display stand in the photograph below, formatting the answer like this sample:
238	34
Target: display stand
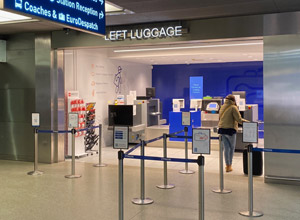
77	105
91	138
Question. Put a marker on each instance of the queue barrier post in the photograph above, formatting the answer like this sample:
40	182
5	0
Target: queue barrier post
186	170
250	212
221	189
100	164
201	163
121	184
36	172
73	175
142	200
165	185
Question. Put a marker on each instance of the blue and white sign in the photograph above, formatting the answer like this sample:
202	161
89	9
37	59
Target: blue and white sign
86	15
121	137
196	87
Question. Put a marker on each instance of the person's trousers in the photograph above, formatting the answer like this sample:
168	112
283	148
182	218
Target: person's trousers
228	142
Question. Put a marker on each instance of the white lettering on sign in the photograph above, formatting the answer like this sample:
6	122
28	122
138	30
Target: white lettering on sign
147	33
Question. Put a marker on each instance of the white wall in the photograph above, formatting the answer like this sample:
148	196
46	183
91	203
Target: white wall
92	73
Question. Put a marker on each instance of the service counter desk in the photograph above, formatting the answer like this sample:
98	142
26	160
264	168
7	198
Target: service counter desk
159	130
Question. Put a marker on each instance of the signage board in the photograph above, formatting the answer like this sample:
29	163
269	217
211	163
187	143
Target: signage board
196	87
201	141
250	132
35	120
186	118
73	120
121	137
85	15
145	33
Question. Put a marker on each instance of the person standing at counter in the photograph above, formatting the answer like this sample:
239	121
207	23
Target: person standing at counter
229	118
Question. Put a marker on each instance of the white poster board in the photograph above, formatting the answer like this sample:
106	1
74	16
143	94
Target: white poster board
121	137
250	132
73	120
186	118
35	120
201	141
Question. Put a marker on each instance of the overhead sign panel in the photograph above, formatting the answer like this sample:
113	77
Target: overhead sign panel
86	15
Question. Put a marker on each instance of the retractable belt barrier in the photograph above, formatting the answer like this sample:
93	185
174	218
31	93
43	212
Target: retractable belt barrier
268	150
73	132
144	201
251	212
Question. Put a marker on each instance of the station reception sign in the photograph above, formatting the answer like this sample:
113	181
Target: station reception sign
85	15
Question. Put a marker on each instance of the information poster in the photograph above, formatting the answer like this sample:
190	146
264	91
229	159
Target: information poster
121	137
186	118
250	132
201	141
196	87
35	119
73	120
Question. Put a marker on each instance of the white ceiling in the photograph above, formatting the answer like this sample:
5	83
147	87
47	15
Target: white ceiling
212	52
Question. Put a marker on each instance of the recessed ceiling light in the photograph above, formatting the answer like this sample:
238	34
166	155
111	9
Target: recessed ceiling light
6	17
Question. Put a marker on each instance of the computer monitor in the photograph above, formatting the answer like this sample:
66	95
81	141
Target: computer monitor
120	115
242	94
179	102
207	107
195	103
150	92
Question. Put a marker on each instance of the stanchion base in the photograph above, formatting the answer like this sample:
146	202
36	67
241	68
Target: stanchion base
138	201
186	171
100	165
73	176
35	173
254	214
169	186
224	191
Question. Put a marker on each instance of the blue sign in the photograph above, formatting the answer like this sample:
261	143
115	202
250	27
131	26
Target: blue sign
196	87
86	15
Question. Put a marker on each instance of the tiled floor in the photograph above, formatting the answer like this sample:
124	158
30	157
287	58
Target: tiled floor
95	195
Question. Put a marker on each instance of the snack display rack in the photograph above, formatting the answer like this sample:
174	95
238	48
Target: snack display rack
91	138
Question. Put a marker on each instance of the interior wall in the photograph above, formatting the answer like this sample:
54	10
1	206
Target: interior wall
95	76
219	79
282	98
17	98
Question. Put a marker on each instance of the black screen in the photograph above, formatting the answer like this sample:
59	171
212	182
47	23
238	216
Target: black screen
150	92
120	115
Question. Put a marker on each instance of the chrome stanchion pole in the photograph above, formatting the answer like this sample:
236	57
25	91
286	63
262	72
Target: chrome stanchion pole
186	170
121	185
201	163
142	200
250	212
73	175
165	185
221	190
36	172
100	164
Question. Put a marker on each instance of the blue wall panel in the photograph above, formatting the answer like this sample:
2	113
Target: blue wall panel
219	79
